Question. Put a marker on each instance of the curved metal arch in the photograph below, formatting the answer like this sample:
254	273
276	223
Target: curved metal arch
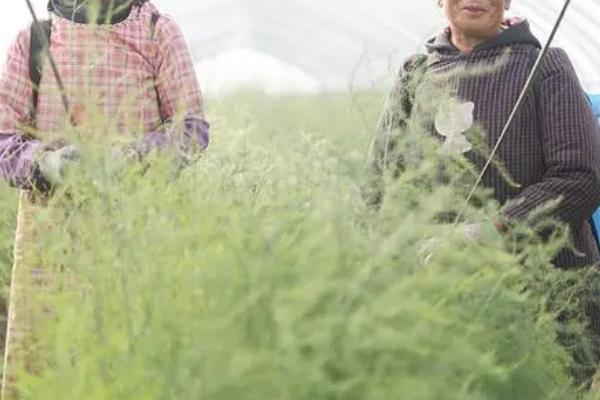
331	59
577	38
324	67
307	25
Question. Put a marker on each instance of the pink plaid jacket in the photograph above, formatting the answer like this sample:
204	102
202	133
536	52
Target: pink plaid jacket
134	77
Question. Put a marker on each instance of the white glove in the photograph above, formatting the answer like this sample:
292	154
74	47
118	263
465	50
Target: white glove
54	164
473	232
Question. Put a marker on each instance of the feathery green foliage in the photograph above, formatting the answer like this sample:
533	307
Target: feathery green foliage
259	274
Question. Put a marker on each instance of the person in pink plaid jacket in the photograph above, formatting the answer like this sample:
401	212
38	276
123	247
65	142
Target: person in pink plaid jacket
132	61
126	73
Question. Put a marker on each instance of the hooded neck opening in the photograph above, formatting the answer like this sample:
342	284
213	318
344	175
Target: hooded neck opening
513	32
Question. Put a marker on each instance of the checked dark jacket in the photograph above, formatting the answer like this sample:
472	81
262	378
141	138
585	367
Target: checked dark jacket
552	149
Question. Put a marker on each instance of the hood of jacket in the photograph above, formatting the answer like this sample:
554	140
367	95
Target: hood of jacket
513	33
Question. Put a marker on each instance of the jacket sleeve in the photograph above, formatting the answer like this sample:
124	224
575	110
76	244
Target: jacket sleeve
382	152
571	148
18	151
179	95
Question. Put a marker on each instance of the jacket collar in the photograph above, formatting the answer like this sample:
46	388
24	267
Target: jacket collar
514	32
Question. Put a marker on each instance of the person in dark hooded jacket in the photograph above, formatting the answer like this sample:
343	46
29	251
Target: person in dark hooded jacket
551	150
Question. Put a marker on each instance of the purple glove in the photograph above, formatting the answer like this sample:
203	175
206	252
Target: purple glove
18	162
188	139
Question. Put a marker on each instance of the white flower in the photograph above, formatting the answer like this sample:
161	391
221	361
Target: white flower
453	119
457	144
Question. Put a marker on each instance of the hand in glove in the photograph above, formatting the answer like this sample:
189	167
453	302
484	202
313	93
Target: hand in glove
54	164
125	153
473	232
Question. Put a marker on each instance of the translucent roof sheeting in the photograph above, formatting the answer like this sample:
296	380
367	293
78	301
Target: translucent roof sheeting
579	35
333	44
342	43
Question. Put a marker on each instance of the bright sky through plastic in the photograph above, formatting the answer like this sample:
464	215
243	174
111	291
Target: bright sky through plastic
313	45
